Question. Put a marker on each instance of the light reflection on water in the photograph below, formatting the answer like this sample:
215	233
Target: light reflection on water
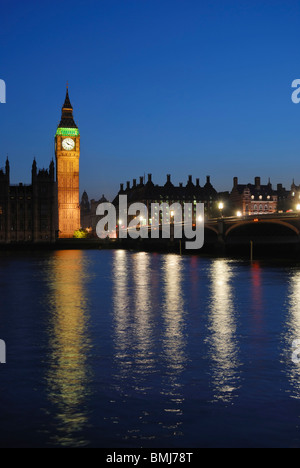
292	329
174	341
68	377
140	349
224	349
149	345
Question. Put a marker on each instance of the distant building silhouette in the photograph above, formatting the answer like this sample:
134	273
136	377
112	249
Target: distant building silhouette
28	213
85	211
88	217
285	200
148	193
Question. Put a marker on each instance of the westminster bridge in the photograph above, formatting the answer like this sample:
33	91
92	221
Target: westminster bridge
277	233
263	231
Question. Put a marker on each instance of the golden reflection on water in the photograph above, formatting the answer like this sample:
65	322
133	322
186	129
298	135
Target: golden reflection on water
224	350
68	377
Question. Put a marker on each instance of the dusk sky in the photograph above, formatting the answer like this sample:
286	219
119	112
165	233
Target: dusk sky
158	86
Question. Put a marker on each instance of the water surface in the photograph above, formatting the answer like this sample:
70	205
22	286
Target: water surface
124	349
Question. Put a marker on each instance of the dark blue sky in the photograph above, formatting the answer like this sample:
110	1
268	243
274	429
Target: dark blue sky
161	86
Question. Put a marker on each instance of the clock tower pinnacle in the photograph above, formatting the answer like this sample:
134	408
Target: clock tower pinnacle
67	153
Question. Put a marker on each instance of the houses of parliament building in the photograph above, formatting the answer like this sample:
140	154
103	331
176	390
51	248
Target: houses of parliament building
48	208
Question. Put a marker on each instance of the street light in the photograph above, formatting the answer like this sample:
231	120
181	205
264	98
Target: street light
221	207
239	214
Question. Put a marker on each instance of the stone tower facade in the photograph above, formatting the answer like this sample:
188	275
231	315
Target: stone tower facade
67	153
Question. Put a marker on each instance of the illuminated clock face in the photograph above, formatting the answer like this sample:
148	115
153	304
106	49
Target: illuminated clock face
68	144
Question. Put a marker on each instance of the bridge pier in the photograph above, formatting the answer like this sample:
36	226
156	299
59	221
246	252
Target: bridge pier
221	244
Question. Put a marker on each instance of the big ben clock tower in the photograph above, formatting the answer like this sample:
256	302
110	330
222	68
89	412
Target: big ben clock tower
67	152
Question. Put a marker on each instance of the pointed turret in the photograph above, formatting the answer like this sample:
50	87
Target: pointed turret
67	120
7	167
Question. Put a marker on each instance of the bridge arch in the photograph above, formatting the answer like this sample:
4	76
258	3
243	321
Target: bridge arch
262	222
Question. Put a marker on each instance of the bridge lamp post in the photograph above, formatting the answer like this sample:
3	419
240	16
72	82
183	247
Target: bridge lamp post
221	207
172	217
298	207
239	214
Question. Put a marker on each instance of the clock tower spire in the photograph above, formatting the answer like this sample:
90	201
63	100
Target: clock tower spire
67	153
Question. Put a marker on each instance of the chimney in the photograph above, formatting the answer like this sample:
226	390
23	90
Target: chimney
134	183
197	182
181	185
128	186
190	179
149	178
235	182
279	187
141	180
257	182
121	187
208	179
169	178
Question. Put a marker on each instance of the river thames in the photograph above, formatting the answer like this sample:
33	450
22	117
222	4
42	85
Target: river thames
132	349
